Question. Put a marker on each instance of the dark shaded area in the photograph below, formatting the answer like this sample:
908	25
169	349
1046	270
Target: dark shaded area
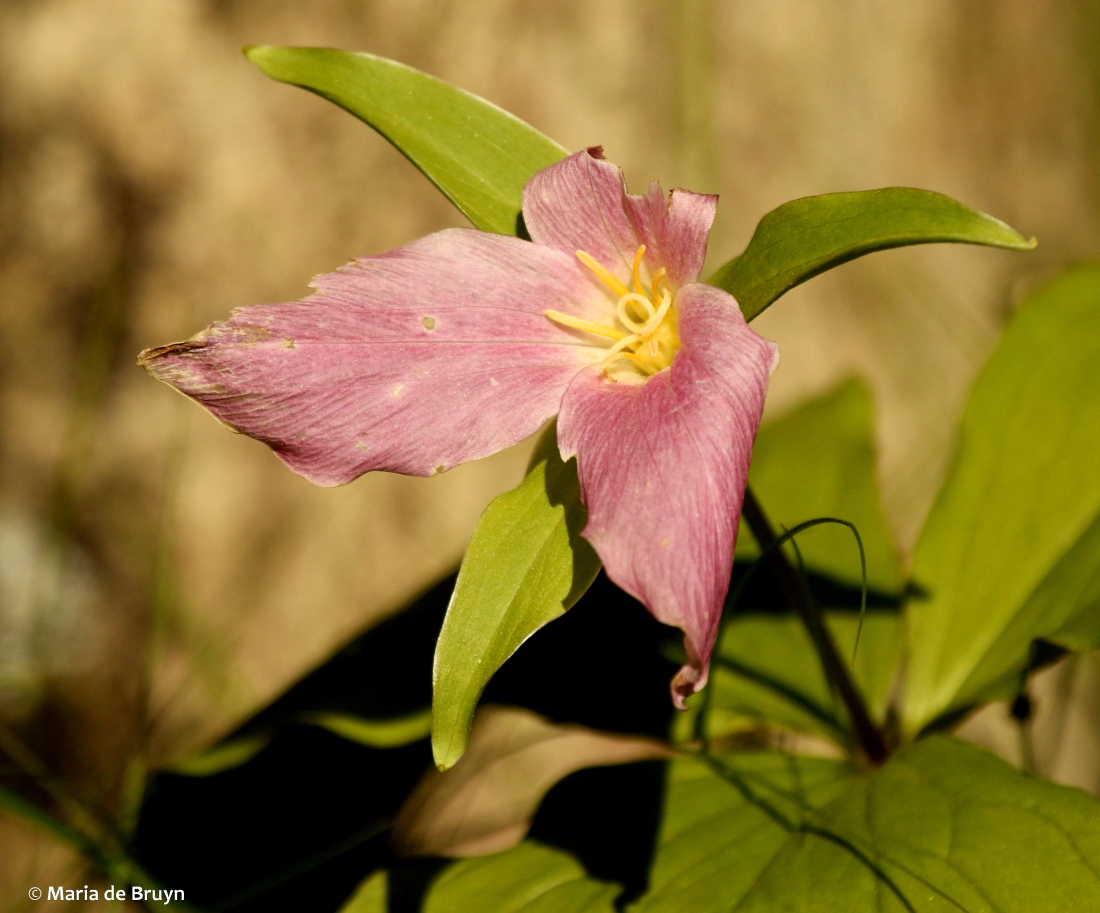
620	809
521	228
305	820
385	672
760	595
298	826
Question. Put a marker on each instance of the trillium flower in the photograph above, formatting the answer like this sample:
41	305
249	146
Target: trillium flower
463	343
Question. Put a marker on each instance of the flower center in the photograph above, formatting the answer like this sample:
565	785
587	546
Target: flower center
645	334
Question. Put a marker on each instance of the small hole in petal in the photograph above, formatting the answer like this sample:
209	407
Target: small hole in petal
428	323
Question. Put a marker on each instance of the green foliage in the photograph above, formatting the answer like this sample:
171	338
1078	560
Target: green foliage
530	878
766	672
1011	552
376	733
819	461
223	756
1011	549
803	238
719	835
526	565
941	827
478	155
370	896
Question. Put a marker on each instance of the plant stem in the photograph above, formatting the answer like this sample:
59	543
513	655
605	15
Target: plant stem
87	829
868	736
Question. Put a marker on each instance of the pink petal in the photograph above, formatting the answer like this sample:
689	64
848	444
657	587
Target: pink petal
581	203
663	466
674	231
412	361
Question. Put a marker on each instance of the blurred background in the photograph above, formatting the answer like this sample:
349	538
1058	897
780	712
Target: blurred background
162	579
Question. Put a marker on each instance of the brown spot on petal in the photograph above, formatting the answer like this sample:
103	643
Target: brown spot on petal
244	336
428	323
197	341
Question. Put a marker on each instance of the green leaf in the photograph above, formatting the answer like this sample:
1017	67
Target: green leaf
941	827
717	839
477	154
767	672
530	878
526	565
222	757
803	238
370	896
1076	580
766	668
819	461
1011	549
377	733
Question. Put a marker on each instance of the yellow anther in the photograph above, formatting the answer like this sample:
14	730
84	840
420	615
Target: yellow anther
587	325
614	284
649	341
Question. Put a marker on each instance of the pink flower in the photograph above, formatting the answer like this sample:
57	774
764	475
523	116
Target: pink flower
463	343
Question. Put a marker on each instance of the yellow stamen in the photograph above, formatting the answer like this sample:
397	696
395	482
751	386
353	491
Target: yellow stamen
616	351
637	263
657	277
614	284
648	341
587	325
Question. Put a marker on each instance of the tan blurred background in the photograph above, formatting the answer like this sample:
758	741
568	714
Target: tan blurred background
160	578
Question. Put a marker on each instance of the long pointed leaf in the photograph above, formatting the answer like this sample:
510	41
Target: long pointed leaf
526	565
477	154
803	238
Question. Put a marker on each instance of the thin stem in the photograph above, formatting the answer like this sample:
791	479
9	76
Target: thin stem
870	739
85	827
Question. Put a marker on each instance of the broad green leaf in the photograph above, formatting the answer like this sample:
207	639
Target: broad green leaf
377	733
1011	549
819	461
719	835
766	672
530	878
370	896
941	827
803	238
478	155
222	757
526	565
